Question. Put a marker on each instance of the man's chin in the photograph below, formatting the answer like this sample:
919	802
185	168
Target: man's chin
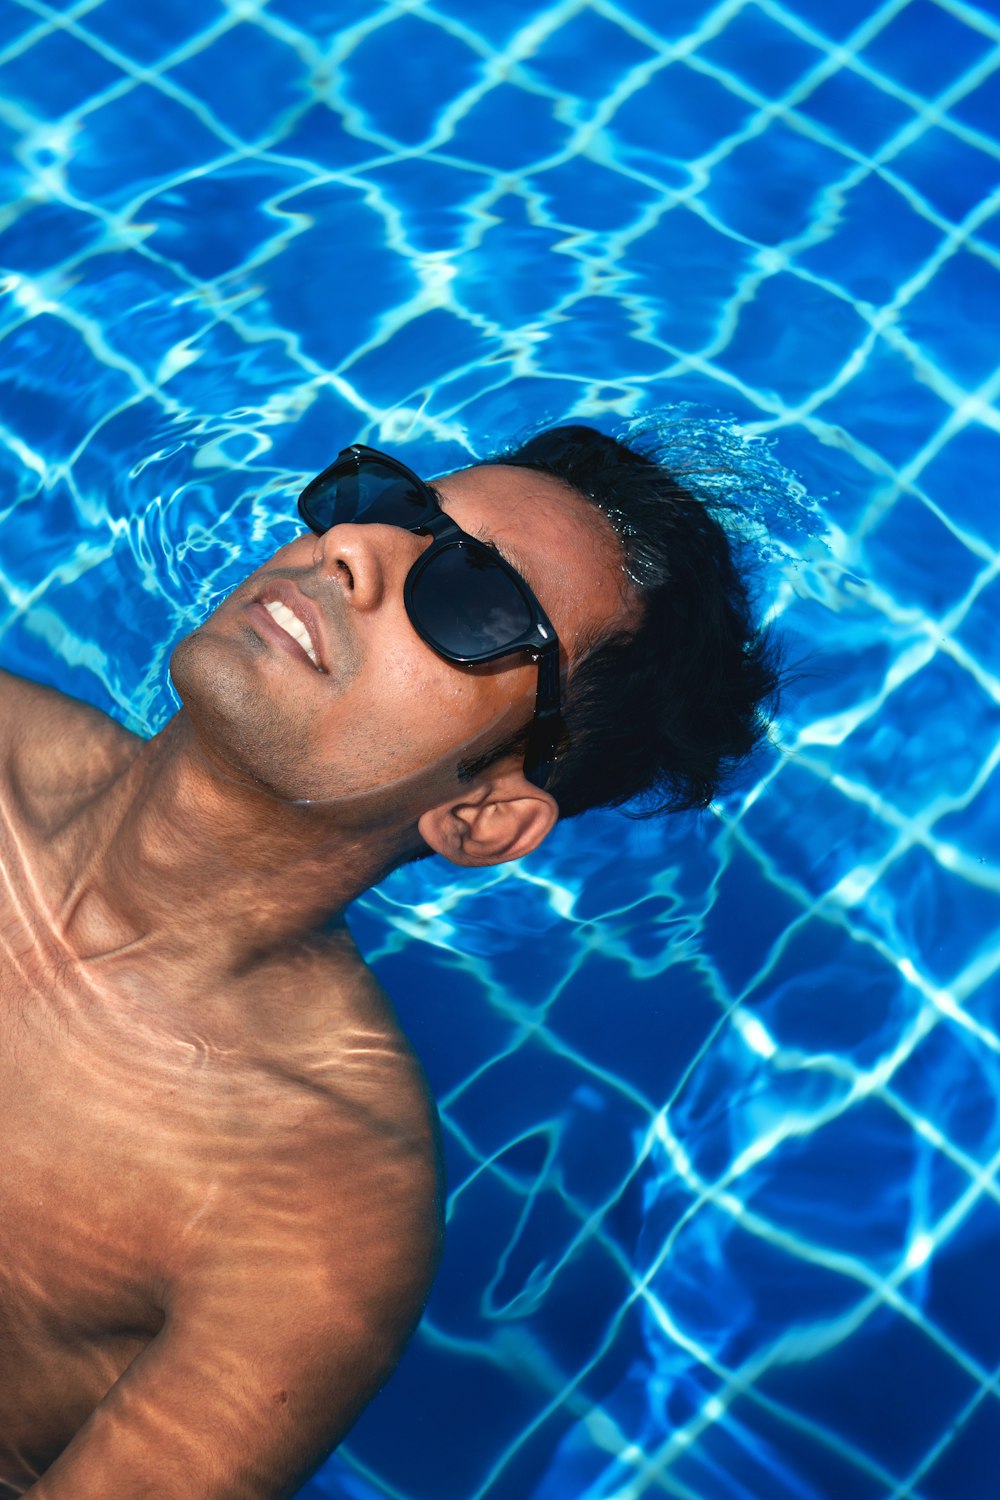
223	702
197	662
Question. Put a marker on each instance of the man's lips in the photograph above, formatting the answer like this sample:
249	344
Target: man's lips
282	591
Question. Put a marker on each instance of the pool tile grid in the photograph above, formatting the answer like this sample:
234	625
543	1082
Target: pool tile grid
766	113
603	271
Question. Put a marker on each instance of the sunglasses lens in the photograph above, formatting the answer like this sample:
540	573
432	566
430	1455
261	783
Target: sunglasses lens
373	493
466	605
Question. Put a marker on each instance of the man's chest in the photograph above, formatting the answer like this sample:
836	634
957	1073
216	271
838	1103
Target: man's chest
124	1138
115	1137
121	1148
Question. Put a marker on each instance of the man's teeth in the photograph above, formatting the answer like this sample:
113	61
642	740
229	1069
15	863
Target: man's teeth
290	621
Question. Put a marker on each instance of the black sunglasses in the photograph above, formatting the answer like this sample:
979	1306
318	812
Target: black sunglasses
461	596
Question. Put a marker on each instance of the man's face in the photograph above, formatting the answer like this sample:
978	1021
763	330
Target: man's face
384	721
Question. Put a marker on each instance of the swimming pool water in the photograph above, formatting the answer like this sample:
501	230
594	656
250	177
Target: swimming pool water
720	1097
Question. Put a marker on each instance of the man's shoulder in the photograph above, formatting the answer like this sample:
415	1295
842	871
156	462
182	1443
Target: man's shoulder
336	1178
38	699
331	1045
326	1004
46	735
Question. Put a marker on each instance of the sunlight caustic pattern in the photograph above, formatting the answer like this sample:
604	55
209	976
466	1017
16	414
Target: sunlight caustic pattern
721	1101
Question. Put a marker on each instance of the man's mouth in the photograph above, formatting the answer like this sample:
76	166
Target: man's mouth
293	626
291	620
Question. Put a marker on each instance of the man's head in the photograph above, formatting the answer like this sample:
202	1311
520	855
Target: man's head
662	672
373	733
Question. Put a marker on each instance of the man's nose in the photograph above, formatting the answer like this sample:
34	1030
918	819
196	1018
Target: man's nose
368	561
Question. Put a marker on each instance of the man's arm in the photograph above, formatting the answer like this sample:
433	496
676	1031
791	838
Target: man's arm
283	1326
238	1411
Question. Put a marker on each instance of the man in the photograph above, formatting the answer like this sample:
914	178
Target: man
220	1209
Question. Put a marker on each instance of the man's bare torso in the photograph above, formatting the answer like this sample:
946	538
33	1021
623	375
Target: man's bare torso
177	1153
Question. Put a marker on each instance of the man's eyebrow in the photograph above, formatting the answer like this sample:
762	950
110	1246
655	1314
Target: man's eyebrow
510	556
482	534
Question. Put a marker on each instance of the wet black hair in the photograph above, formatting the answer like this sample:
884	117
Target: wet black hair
660	716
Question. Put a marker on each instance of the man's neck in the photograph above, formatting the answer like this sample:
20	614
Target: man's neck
182	858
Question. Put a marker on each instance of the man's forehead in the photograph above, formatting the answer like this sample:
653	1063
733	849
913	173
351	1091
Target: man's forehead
526	501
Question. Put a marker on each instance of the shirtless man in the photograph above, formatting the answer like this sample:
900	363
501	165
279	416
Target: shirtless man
220	1207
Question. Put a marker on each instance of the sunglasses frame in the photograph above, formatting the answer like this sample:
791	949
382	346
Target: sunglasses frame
539	640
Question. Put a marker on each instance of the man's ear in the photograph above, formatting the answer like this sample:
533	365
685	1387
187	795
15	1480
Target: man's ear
503	818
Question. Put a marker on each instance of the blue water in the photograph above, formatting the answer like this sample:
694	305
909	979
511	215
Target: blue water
721	1097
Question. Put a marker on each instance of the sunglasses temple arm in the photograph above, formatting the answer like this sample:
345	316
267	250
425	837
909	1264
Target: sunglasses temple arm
544	736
